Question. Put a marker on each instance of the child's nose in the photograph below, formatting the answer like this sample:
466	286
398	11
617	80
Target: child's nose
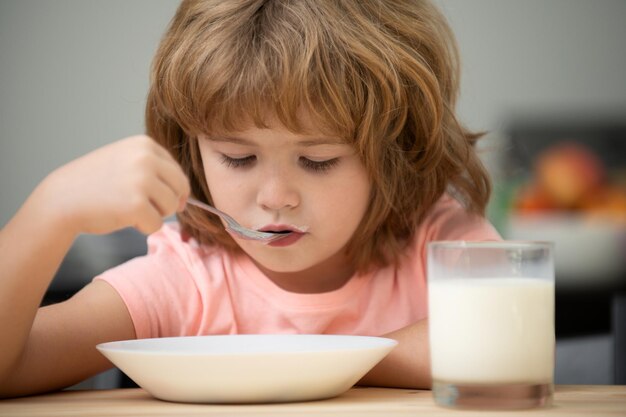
277	191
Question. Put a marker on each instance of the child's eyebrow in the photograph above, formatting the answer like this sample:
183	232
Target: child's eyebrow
231	139
305	142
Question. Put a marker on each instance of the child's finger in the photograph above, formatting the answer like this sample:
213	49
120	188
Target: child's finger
149	220
182	203
163	198
172	174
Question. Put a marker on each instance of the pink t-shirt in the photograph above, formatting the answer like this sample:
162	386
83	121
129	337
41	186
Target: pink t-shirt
182	289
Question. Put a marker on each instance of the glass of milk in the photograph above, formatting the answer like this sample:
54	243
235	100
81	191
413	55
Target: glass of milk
491	323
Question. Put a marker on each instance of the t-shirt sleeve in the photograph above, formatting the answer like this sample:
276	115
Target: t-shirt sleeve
159	305
448	220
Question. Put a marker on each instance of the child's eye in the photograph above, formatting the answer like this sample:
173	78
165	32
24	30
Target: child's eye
238	162
318	166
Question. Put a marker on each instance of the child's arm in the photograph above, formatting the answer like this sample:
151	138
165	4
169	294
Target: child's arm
408	365
133	182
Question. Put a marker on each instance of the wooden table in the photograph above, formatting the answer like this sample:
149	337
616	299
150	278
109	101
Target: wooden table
569	400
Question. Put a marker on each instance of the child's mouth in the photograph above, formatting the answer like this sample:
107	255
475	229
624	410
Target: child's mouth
283	229
290	237
291	234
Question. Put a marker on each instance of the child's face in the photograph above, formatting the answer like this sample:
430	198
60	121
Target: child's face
274	179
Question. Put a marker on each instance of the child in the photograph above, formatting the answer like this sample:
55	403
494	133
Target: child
333	120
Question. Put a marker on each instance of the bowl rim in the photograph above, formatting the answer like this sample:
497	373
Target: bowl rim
128	346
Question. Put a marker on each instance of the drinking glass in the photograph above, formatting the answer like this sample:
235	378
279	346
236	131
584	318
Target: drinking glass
491	323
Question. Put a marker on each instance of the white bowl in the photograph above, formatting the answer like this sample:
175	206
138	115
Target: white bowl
247	368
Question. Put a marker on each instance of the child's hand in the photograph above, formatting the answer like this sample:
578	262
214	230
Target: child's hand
134	182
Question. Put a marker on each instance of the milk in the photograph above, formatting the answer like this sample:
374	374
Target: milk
492	330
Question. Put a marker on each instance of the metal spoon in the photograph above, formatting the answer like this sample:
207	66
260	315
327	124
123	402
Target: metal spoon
236	228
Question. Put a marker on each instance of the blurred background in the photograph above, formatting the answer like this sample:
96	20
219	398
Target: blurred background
546	79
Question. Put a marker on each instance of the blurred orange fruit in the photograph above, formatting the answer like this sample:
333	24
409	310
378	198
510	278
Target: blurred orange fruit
567	172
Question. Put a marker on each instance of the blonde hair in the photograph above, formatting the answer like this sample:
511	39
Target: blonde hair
381	74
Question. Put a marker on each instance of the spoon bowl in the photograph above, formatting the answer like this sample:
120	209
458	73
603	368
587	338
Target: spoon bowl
233	227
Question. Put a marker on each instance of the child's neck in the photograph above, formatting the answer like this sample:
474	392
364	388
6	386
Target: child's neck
327	276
